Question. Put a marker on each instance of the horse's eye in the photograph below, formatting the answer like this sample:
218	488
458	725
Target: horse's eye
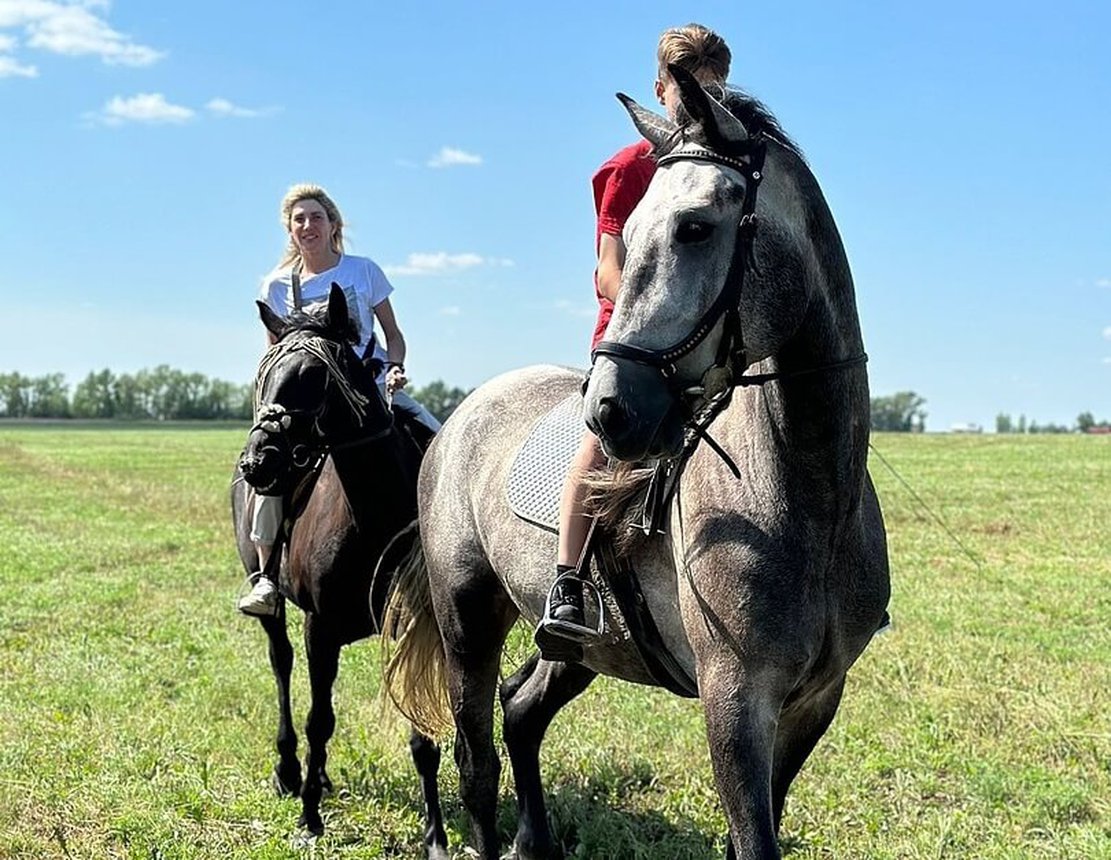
693	232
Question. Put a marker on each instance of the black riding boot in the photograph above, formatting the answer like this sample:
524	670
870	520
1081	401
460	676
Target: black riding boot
565	607
567	597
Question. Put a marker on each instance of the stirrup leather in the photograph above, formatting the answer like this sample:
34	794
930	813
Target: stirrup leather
579	633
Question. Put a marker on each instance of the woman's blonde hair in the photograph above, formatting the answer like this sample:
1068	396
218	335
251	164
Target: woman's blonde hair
308	191
698	50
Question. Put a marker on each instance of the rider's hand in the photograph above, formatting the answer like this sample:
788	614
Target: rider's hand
396	378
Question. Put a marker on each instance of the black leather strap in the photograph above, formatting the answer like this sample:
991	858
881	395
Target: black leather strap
295	279
644	634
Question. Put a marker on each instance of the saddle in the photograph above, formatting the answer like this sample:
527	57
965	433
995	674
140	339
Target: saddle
533	491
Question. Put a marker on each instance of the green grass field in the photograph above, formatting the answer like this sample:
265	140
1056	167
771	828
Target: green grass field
137	708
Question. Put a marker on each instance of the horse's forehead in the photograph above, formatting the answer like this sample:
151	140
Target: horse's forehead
689	186
290	363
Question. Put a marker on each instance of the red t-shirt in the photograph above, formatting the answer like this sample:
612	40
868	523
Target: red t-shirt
618	186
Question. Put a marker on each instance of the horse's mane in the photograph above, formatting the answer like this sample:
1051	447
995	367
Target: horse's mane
356	382
758	119
612	492
753	114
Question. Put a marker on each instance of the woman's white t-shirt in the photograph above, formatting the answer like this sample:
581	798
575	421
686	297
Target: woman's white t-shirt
363	283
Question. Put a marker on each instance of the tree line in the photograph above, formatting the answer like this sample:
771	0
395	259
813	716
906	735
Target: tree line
1085	423
903	412
159	394
164	393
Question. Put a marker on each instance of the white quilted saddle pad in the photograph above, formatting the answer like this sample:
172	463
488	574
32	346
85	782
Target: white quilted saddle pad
536	476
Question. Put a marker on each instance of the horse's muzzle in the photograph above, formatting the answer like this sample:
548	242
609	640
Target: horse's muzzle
264	466
629	407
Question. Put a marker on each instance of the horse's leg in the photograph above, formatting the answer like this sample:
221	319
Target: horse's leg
530	700
799	732
287	770
426	758
740	727
322	651
474	623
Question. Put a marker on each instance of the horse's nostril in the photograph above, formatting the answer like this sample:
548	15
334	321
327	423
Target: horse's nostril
611	417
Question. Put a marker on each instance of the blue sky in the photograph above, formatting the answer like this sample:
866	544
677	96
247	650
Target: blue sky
963	148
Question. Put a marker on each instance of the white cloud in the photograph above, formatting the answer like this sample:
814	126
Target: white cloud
442	263
7	43
11	68
1103	282
1107	333
449	157
73	30
151	108
451	311
223	107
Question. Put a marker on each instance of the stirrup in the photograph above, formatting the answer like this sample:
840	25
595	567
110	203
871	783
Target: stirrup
580	634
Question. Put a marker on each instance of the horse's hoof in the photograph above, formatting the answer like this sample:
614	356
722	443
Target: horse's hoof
305	839
435	852
284	789
311	829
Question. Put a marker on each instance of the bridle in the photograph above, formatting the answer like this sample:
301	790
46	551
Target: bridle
276	421
704	402
747	157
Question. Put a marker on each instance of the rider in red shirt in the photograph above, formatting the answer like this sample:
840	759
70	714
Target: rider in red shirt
618	185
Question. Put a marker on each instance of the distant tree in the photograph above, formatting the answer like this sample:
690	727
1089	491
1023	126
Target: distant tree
1085	421
130	397
15	395
901	412
1004	424
438	399
49	397
94	396
1021	428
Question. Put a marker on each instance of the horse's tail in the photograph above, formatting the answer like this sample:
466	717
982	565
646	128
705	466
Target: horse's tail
414	673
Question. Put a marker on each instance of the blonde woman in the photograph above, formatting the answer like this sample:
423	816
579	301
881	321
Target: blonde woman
313	261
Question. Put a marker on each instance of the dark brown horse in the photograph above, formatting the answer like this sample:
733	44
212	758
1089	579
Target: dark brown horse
326	441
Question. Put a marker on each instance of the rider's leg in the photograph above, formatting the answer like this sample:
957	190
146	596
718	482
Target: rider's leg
422	424
266	520
416	410
567	602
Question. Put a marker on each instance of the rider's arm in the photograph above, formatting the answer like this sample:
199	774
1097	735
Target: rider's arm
395	345
611	259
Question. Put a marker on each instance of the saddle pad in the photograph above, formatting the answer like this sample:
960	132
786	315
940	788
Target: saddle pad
537	474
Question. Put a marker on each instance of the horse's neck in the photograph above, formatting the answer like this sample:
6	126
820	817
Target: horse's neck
811	430
359	471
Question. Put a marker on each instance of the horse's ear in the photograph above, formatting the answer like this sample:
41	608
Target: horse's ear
339	319
274	323
656	129
717	122
337	306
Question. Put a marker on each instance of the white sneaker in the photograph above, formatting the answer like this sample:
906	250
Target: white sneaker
262	599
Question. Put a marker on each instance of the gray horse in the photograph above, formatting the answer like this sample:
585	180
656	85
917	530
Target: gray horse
765	587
